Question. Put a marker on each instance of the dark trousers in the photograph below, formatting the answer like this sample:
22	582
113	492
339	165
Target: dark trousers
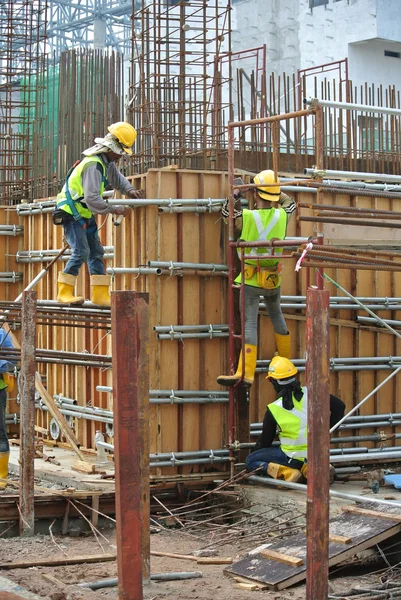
4	445
273	454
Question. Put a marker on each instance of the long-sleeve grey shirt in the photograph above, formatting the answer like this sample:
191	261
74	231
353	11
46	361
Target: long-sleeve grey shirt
91	182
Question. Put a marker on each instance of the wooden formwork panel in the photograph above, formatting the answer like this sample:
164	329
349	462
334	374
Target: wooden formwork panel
193	364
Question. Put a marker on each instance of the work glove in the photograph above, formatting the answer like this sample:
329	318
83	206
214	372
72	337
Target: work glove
237	208
136	194
121	210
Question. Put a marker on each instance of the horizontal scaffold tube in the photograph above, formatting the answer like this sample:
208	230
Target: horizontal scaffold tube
353	175
333	493
28	256
13	230
382	110
180	396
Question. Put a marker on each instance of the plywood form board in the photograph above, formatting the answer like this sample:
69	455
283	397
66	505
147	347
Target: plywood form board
364	531
146	235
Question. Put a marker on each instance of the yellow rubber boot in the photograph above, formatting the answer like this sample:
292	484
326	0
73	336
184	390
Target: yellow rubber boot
332	472
66	285
283	343
282	472
4	456
100	290
250	366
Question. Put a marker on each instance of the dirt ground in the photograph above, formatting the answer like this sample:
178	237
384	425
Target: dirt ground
213	585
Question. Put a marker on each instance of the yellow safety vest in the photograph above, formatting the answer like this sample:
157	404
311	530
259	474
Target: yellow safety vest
258	226
293	426
73	204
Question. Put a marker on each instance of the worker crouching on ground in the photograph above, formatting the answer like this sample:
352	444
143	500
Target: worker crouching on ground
81	196
289	415
262	277
6	385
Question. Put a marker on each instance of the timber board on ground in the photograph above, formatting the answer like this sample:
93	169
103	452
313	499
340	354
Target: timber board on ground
363	530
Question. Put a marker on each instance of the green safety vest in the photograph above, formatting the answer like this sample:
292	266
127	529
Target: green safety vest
293	426
70	197
2	382
258	226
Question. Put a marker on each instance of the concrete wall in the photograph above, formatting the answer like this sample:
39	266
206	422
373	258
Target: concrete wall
297	36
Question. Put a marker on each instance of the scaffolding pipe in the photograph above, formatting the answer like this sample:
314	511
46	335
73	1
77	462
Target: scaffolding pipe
171	265
333	493
352	175
382	110
357	185
364	399
373	320
13	230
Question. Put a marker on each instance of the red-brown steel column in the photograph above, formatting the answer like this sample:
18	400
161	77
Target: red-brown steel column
130	341
27	413
318	385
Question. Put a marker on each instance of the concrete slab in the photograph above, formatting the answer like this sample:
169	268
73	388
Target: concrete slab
63	474
15	591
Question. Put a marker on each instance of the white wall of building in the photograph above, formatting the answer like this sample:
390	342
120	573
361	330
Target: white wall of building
297	36
367	62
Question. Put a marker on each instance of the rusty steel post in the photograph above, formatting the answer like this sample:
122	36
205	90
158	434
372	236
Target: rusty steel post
231	276
130	341
319	159
318	386
27	413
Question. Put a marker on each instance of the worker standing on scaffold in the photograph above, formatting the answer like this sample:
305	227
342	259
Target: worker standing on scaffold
81	196
262	277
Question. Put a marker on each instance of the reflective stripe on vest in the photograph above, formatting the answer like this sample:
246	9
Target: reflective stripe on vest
293	426
75	187
258	226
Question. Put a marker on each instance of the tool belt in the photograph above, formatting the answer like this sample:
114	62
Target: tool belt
268	278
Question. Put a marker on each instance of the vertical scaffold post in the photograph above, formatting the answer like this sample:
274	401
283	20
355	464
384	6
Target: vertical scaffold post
318	386
27	413
130	348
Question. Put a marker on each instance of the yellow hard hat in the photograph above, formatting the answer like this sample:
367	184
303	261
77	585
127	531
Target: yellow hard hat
265	191
281	368
125	135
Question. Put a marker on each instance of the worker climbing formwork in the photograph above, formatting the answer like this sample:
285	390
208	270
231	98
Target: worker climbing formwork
80	198
262	276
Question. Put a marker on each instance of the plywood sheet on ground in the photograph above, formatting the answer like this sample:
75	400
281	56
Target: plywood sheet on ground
363	530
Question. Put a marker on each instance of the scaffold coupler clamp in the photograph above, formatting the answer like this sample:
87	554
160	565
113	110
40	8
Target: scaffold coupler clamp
234	447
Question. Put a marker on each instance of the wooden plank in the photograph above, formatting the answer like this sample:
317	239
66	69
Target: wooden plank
339	539
377	514
83	467
55	562
248	587
287	559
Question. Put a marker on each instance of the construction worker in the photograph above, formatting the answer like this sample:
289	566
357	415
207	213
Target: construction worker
262	277
80	197
289	415
6	385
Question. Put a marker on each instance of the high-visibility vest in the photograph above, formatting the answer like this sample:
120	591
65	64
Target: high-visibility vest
293	426
2	382
258	226
70	197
